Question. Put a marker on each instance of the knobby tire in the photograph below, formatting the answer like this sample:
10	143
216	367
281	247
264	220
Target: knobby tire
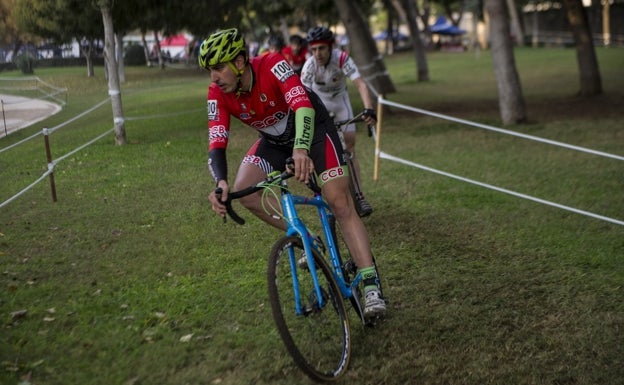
319	342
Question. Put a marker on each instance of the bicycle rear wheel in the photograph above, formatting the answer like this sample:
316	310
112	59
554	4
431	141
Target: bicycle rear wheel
318	340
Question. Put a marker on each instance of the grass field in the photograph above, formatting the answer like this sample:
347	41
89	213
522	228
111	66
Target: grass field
130	279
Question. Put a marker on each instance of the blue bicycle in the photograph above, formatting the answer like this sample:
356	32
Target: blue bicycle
309	281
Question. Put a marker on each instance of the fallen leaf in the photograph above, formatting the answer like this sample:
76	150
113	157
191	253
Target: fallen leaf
186	338
18	314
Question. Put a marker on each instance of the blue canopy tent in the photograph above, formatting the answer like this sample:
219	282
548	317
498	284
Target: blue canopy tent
383	35
443	27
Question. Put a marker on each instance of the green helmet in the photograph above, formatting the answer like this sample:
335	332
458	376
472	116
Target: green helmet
221	47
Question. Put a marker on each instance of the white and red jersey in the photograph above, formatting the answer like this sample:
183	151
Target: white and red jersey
329	80
275	95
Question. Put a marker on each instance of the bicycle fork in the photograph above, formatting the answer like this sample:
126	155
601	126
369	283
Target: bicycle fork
296	227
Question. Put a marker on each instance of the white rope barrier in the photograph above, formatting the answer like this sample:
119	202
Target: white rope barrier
47	131
56	127
383	155
90	110
500	130
37	87
20	142
164	115
61	158
500	189
11	199
51	166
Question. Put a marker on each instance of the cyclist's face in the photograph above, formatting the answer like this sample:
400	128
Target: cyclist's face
295	47
321	52
223	75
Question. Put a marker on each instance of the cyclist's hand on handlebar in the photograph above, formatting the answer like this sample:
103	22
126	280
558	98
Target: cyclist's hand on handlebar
370	117
304	166
218	196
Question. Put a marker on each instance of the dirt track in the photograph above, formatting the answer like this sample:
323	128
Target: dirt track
19	112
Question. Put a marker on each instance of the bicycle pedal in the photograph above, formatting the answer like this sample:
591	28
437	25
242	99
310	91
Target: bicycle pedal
374	321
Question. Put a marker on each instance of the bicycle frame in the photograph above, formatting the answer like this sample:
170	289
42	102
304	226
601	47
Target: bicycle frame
325	292
295	225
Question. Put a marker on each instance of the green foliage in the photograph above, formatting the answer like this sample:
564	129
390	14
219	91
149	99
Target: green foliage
26	63
59	20
130	278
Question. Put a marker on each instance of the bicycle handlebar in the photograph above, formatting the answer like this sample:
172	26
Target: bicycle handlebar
270	180
356	119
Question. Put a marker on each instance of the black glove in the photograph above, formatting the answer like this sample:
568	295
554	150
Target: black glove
369	113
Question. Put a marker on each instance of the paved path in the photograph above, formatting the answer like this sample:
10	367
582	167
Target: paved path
20	112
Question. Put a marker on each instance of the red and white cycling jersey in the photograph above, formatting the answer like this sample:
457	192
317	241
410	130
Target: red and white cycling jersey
276	93
329	80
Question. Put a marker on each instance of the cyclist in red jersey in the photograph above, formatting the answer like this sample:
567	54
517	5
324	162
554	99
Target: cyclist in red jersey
265	94
296	52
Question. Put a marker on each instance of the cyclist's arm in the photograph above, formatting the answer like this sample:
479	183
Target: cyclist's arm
304	128
304	131
350	70
365	94
218	134
367	100
217	164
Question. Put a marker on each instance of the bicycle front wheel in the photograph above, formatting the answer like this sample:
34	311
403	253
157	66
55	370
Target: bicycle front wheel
318	336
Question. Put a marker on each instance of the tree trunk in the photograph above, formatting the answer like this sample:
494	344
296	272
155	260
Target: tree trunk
119	54
408	13
389	40
148	62
515	23
510	99
419	47
90	66
114	89
363	48
606	22
591	84
88	54
16	48
161	62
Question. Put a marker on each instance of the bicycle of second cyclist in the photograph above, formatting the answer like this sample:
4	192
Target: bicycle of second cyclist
308	299
354	182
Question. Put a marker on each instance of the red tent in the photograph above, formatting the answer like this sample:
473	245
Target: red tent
174	41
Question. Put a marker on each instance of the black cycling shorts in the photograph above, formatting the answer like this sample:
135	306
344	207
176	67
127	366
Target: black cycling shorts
326	150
